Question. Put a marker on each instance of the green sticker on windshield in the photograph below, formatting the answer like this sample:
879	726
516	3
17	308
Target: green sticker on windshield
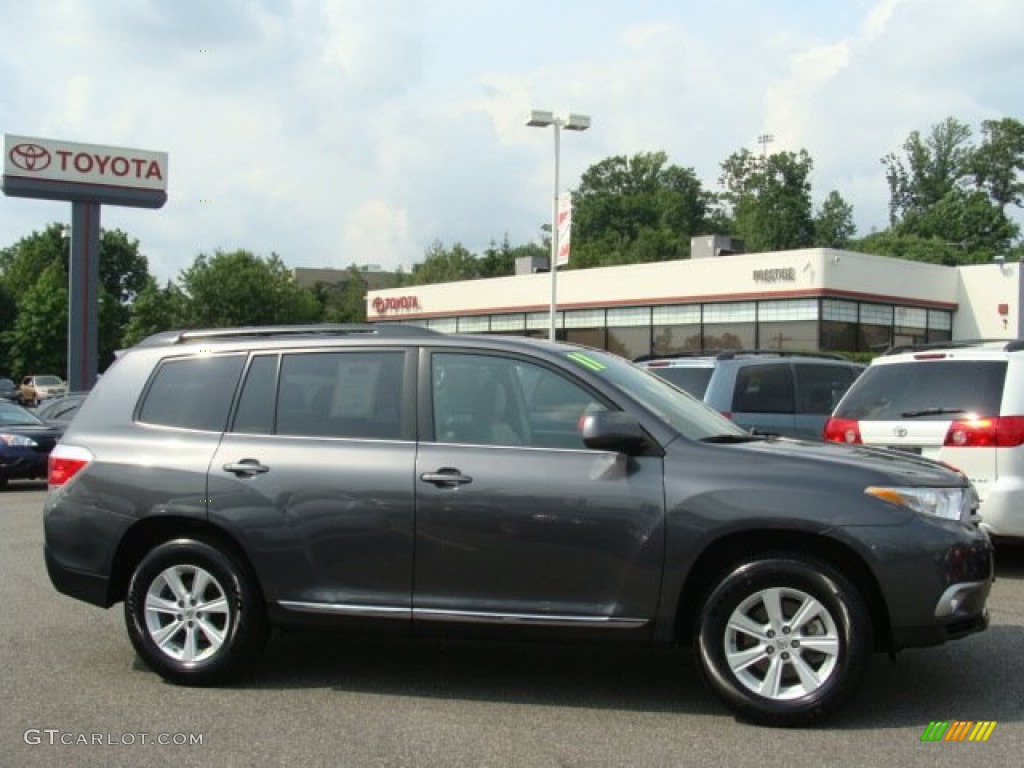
586	362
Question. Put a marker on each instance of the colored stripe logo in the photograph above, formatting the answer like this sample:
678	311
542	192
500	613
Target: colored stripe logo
586	362
958	730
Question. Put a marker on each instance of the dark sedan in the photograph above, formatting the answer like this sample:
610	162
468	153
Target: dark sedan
59	411
25	444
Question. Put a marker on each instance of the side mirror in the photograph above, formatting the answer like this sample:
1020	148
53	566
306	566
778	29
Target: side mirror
613	431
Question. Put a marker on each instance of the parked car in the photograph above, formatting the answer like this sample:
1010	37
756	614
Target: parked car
774	392
59	411
961	403
224	482
36	389
25	444
9	391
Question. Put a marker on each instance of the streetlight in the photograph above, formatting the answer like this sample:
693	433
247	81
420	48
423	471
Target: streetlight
542	119
764	140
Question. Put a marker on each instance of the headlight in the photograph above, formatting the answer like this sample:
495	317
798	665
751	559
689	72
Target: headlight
949	503
19	441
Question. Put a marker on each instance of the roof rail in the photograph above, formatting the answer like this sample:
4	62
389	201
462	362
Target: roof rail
267	331
729	354
1009	345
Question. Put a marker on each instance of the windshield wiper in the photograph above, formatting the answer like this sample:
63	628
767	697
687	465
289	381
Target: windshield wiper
930	412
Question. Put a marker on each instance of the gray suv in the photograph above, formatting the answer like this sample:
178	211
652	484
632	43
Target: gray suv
221	483
783	393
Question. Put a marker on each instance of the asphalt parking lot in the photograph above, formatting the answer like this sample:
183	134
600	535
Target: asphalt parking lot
73	693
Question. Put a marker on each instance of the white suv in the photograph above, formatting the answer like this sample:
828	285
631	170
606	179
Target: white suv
961	403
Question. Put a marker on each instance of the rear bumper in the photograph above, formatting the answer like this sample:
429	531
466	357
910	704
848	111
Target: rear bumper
1002	508
89	587
28	465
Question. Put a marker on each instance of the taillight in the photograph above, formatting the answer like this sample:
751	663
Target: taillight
727	414
65	462
842	431
994	432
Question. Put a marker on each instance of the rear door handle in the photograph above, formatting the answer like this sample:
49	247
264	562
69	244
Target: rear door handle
246	468
446	477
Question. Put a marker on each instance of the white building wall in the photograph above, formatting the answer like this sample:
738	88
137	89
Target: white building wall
990	298
782	274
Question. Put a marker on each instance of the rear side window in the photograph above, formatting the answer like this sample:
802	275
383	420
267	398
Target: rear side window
933	389
820	387
764	389
192	393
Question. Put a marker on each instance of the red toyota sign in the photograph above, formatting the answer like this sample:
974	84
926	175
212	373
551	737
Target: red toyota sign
61	161
384	304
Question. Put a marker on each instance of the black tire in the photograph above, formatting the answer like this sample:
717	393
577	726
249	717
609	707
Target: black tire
761	681
205	621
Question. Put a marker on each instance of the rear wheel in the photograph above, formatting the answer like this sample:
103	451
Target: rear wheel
784	640
193	614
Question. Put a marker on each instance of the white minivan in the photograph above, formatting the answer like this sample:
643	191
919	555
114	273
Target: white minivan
961	403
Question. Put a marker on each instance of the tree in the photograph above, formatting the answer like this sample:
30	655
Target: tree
637	209
946	190
240	288
501	262
344	302
155	309
833	226
443	265
39	338
770	199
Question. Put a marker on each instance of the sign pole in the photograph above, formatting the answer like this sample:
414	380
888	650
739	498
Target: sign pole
83	295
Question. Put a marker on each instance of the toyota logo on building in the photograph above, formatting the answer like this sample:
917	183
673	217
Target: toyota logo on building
30	157
383	304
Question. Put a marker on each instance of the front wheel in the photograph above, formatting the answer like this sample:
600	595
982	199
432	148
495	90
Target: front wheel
193	614
783	640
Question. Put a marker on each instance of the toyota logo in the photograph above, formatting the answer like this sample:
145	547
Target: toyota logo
378	304
900	431
30	157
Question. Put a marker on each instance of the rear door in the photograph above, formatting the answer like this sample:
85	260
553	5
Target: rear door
315	477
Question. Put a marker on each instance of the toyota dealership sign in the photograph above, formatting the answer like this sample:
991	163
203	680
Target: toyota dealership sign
61	170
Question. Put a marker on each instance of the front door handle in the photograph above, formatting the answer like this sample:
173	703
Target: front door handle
446	477
246	468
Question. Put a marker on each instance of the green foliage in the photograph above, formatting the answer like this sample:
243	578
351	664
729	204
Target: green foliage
239	288
38	340
345	303
947	190
770	199
445	265
638	209
155	309
833	225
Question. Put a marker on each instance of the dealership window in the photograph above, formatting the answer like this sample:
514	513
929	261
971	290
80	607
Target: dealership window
910	325
474	324
791	325
629	331
585	326
730	326
875	331
509	324
940	325
675	329
443	324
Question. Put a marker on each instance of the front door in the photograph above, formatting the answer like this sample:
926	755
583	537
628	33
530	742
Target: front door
517	520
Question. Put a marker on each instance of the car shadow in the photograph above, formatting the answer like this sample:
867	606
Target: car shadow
962	680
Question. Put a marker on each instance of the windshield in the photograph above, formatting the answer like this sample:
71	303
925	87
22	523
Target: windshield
48	381
682	412
15	416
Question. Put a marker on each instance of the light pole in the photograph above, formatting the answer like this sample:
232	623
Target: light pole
542	119
764	140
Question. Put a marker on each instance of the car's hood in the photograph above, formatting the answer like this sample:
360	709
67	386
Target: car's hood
895	466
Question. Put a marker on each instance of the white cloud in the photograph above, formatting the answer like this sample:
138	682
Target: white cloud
341	131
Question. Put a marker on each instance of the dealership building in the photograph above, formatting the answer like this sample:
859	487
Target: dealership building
808	299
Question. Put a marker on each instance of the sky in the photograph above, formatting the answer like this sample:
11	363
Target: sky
339	132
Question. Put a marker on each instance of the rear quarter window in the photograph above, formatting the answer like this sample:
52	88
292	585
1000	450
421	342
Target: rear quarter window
692	380
909	390
192	393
